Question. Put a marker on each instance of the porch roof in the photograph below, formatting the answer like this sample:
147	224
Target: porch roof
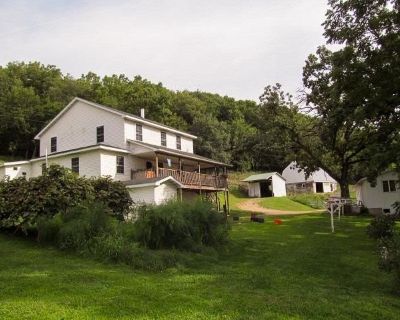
177	153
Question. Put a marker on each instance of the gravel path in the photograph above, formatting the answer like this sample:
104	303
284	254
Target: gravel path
254	206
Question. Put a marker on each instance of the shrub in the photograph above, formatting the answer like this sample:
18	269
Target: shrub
23	201
389	255
180	225
382	226
113	194
82	223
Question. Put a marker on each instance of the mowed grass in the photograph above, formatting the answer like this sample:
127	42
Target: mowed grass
283	203
297	270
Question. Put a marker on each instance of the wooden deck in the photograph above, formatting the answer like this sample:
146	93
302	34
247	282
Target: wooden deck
191	180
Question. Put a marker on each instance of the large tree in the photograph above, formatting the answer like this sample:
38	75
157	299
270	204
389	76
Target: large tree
349	120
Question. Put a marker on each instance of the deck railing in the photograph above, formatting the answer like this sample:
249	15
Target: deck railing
185	177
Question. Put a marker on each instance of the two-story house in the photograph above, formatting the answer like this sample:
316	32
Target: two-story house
155	162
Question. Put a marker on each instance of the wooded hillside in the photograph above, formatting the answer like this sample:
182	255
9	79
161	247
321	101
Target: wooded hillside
229	130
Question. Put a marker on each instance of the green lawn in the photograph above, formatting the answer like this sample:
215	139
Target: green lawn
297	270
283	203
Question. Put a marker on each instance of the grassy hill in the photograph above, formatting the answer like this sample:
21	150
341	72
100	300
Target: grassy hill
298	270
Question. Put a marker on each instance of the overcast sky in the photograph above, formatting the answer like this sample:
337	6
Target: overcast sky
232	47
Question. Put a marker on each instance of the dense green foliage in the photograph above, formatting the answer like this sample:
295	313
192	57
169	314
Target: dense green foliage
32	94
90	230
23	201
298	270
382	226
181	225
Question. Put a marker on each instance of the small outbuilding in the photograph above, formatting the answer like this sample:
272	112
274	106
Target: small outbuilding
270	184
380	196
297	181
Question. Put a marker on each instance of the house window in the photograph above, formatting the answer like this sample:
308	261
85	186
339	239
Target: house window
100	134
120	164
53	144
75	165
163	139
15	168
389	185
178	142
139	132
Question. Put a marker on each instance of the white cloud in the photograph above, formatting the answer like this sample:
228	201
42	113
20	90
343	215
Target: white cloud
228	47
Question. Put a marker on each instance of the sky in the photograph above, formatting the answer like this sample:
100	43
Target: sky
233	48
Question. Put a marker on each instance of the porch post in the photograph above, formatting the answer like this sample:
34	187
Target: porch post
156	165
180	168
198	163
227	201
180	194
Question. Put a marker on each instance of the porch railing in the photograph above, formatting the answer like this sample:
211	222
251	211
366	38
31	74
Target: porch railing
184	177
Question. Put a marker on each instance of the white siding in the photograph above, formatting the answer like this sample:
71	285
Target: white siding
187	144
374	198
165	192
140	195
16	170
77	128
109	165
89	163
152	135
278	186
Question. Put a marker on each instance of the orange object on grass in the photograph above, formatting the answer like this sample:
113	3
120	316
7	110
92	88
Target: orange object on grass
278	221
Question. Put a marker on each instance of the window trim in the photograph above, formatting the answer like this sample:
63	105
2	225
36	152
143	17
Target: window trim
163	139
120	167
73	167
389	186
101	135
139	133
178	142
53	144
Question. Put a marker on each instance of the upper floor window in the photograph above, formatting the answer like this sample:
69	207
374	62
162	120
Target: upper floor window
163	139
389	185
120	164
100	134
178	142
75	165
53	144
139	132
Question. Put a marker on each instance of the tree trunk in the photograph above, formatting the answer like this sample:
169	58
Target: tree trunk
344	189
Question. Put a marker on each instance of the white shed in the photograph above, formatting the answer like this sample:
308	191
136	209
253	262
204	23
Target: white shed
270	184
380	196
318	181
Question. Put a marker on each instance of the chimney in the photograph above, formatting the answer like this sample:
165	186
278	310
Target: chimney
142	112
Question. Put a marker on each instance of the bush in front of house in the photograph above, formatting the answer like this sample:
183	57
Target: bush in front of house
23	202
90	230
113	194
382	226
187	226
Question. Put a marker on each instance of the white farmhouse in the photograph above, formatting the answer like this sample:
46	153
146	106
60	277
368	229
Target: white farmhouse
270	184
380	196
297	181
155	161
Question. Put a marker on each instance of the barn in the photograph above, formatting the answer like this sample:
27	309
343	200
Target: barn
270	184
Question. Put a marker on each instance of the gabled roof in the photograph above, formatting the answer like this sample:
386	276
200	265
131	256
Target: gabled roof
114	111
151	182
174	152
262	176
